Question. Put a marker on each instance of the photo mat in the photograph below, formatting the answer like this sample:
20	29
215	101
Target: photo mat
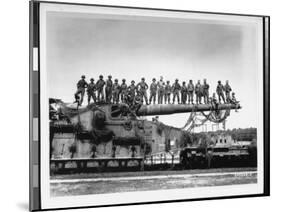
143	151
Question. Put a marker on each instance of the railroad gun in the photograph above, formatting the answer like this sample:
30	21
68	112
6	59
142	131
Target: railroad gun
119	136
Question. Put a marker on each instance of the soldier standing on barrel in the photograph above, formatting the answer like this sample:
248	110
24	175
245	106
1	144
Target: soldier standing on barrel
100	85
81	85
176	90
91	91
168	91
132	89
142	87
227	89
220	89
123	90
108	89
206	92
183	93
198	92
153	90
161	89
190	92
116	92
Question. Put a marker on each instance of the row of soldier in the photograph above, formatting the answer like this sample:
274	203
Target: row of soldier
182	93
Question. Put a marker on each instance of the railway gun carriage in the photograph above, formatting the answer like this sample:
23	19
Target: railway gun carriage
102	137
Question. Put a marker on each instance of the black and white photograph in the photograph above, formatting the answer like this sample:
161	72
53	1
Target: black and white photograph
143	105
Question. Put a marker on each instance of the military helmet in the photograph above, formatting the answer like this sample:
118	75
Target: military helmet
142	78
177	80
109	76
83	76
92	79
123	80
153	79
219	81
133	81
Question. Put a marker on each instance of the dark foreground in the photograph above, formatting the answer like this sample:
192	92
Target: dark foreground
101	183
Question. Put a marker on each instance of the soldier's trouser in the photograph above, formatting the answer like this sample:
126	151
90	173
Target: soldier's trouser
221	95
116	96
176	94
190	97
206	97
91	95
160	96
198	98
227	95
144	95
167	98
100	95
82	92
132	94
183	97
123	96
152	97
108	94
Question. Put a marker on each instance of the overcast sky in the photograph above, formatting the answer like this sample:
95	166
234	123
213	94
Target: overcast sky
133	49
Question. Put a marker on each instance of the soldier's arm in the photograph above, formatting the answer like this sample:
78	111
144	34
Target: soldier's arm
78	83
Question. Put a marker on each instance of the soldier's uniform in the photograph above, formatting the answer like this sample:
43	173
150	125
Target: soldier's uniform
183	93
116	91
123	90
233	99
190	92
153	90
168	91
138	102
81	85
219	90
100	85
176	91
91	91
214	101
206	91
198	92
142	87
132	89
108	89
227	89
161	90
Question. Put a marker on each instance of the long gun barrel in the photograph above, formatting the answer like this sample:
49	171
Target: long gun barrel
151	110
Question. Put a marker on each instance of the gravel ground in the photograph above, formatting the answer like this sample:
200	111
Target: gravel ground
149	173
127	182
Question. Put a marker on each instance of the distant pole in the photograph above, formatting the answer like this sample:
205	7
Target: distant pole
224	124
